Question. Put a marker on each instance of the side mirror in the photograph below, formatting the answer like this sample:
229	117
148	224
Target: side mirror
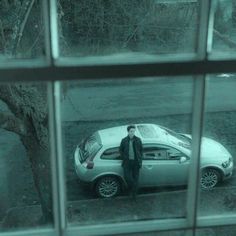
182	159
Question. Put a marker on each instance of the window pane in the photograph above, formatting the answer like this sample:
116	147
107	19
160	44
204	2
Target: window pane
217	231
104	108
218	147
224	26
25	190
21	29
138	28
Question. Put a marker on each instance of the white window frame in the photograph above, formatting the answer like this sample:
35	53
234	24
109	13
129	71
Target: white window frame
54	69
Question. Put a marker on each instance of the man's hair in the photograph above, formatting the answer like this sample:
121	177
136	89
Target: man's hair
129	127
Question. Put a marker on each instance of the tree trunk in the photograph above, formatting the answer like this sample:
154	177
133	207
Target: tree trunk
28	103
39	157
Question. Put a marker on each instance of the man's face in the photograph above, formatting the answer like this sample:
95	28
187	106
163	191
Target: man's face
131	132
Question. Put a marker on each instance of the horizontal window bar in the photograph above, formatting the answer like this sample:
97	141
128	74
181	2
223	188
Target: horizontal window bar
125	59
23	63
35	232
214	56
216	220
131	227
117	71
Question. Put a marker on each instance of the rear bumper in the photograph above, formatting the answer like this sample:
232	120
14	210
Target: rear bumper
229	172
228	175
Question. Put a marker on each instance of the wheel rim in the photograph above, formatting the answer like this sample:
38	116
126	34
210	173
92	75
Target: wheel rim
209	179
108	187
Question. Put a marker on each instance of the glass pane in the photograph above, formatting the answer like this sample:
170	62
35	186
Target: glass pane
25	190
95	115
217	231
218	147
224	26
21	29
126	28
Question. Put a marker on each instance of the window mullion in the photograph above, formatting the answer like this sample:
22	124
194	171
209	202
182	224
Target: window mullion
51	30
194	170
56	160
205	29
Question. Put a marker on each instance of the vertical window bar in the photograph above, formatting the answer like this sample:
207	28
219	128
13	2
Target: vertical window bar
204	32
197	124
211	26
198	112
54	161
60	159
51	30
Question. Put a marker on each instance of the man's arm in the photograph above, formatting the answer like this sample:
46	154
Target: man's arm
121	148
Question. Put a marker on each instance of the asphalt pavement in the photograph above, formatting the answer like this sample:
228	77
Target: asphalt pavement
94	101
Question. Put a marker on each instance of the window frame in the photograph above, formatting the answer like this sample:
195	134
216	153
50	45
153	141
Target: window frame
50	69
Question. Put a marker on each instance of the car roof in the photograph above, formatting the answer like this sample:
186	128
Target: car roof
149	133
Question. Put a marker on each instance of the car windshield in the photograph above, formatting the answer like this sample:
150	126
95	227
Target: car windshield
90	146
183	140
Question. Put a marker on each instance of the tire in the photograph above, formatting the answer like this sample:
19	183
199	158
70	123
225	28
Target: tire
209	179
108	186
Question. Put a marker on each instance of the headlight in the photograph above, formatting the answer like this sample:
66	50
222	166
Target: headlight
227	163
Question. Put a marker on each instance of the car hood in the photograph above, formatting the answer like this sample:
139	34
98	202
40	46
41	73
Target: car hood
212	149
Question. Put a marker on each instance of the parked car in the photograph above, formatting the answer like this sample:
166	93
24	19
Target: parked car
166	159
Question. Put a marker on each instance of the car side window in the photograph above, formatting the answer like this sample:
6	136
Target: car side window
161	153
174	154
111	154
155	153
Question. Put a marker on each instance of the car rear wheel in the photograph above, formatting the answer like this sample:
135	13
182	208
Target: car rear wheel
209	178
108	186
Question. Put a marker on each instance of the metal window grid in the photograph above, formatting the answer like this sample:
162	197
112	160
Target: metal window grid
54	69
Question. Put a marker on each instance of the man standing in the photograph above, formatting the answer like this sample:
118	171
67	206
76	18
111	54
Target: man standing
131	152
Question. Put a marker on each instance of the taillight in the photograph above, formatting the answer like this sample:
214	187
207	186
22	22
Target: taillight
90	164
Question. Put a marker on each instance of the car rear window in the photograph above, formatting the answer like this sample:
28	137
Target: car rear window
90	146
147	131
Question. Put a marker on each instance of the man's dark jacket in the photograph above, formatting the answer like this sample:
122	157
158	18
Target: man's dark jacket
124	150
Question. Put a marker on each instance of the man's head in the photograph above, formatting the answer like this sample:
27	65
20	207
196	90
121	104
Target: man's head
131	130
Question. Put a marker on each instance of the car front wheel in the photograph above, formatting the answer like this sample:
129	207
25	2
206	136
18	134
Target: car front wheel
209	178
108	186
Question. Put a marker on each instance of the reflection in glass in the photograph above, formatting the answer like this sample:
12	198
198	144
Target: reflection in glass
224	26
21	29
98	28
25	179
95	115
218	147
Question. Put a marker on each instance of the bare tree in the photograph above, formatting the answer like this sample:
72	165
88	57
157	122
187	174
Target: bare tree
29	119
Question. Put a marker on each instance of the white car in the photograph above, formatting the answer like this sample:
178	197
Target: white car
166	159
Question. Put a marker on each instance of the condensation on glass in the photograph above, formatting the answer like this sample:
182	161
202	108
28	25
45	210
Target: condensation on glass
21	29
95	115
101	28
224	31
219	145
25	169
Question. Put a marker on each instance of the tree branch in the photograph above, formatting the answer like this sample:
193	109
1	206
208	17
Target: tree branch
22	27
225	39
11	123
